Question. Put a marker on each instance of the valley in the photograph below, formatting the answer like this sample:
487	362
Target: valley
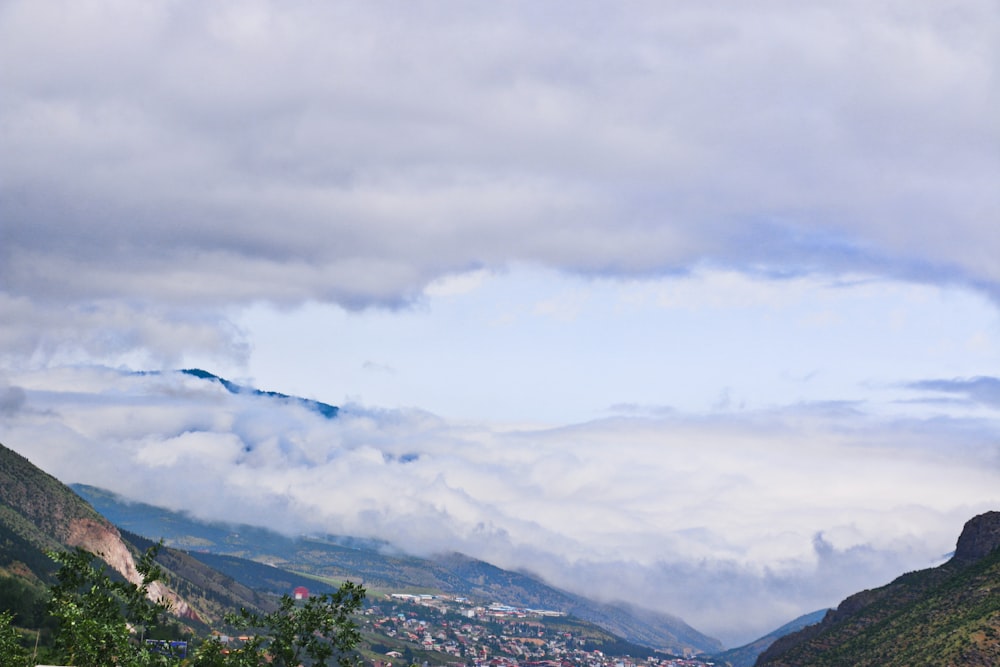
447	586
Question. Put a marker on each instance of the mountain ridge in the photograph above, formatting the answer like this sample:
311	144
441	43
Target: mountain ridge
945	615
325	409
746	655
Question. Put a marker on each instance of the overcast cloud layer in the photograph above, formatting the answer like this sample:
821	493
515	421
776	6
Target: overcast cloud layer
760	239
232	151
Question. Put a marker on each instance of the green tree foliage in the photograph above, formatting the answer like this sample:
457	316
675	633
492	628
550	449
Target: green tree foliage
97	615
12	654
100	621
25	600
314	632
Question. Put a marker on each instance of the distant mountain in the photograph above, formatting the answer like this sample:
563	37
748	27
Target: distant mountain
39	514
948	615
325	409
379	567
746	656
642	626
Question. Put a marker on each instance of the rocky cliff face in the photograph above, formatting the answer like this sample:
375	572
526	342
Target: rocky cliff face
979	538
99	537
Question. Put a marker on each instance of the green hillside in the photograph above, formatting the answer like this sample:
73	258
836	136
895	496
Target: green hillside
36	515
39	514
263	578
949	615
209	592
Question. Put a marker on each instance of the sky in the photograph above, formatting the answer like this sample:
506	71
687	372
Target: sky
688	304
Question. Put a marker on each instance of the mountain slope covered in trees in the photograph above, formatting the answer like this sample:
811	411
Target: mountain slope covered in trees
948	615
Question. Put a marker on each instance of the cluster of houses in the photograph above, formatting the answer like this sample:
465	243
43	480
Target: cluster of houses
445	603
443	631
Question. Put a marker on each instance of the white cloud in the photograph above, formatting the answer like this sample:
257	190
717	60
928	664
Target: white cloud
141	334
460	283
797	508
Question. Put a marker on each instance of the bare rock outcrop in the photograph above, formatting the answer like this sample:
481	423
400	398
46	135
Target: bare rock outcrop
979	538
105	541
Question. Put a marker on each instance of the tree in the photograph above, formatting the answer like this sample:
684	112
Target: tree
95	613
12	654
97	617
317	630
